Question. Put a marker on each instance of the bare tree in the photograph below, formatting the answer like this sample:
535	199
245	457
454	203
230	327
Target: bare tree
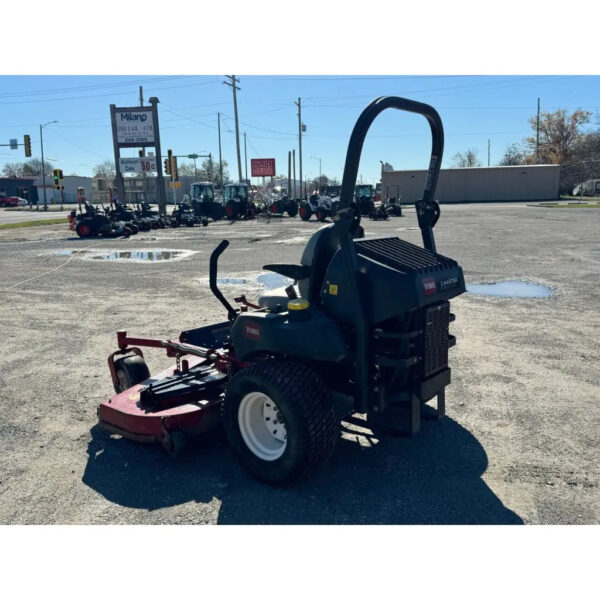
105	169
33	168
13	169
513	155
466	159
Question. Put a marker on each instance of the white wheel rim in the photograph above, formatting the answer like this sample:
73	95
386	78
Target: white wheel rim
262	426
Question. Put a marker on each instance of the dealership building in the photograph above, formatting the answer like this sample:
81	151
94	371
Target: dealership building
477	184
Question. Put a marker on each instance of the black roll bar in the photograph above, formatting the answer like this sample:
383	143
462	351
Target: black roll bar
427	208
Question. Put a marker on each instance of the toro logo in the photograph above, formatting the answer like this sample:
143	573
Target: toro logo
429	285
252	332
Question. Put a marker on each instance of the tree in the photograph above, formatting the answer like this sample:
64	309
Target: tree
105	169
560	133
323	180
13	169
186	169
466	159
513	155
204	172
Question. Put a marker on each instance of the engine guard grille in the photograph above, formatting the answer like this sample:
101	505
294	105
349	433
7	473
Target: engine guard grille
435	338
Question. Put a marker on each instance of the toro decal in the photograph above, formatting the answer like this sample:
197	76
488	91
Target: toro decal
252	332
429	286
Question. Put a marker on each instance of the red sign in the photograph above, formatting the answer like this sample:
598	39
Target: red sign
262	167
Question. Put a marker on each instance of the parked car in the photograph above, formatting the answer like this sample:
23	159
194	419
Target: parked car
13	201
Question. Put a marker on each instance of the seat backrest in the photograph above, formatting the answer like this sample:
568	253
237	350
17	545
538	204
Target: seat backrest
317	255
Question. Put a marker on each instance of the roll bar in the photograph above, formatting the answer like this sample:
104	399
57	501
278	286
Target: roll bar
346	220
428	209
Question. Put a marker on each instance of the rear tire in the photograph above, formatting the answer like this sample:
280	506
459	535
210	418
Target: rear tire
292	208
304	437
305	211
130	371
83	230
321	214
231	210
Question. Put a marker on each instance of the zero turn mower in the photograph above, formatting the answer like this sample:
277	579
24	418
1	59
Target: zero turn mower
93	222
364	330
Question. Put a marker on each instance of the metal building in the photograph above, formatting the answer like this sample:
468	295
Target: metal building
477	184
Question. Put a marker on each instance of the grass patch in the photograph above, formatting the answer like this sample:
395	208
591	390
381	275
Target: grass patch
62	220
52	208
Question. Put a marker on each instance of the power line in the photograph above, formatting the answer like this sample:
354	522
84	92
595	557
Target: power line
88	87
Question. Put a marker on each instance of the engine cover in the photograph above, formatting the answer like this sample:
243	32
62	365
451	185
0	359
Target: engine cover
394	276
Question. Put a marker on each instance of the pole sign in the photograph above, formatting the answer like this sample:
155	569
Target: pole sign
144	164
262	167
134	126
13	144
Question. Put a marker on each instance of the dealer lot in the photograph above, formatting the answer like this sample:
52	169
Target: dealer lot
519	445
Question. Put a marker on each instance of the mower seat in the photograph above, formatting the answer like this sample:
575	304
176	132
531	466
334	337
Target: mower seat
317	255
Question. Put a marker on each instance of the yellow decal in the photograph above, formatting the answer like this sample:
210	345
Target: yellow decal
134	396
333	289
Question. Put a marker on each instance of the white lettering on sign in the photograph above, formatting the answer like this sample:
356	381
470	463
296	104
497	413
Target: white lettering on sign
134	126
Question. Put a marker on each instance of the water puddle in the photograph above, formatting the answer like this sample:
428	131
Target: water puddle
151	255
510	289
259	281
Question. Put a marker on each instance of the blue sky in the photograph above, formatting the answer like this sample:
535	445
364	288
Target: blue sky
473	109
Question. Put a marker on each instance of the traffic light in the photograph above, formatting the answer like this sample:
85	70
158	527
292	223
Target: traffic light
57	175
27	144
174	167
168	162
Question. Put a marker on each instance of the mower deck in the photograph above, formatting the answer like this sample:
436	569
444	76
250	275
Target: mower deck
187	406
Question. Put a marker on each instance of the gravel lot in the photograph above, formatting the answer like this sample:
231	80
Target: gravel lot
519	444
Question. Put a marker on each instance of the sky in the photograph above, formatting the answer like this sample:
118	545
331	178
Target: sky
474	109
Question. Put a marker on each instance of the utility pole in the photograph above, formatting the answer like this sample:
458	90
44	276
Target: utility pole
293	175
289	170
142	152
232	84
43	165
160	182
299	105
220	157
488	153
537	138
245	158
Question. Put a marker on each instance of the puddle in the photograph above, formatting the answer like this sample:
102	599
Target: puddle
139	255
152	255
510	289
264	281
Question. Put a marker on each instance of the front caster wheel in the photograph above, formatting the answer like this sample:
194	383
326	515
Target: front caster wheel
279	419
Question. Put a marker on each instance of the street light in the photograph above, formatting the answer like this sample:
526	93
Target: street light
43	170
316	158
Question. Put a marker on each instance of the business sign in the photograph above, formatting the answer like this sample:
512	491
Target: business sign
144	164
134	126
262	167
